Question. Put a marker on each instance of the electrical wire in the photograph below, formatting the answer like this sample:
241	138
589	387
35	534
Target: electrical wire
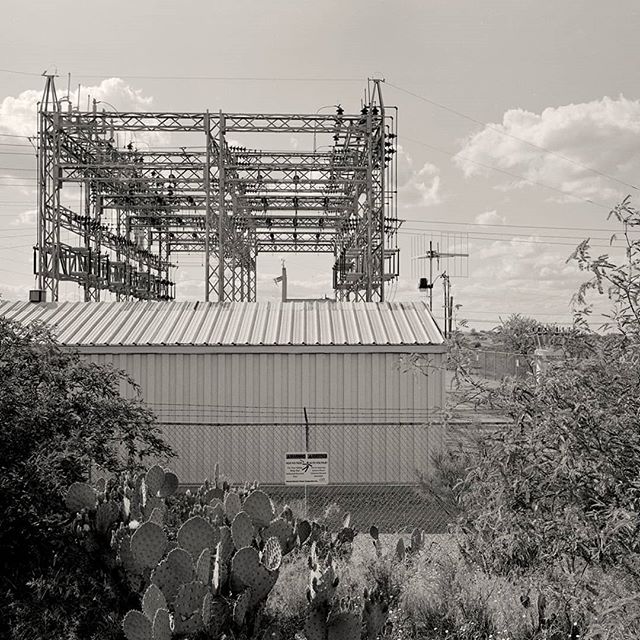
192	78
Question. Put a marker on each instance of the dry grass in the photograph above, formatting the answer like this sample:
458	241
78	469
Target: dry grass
439	596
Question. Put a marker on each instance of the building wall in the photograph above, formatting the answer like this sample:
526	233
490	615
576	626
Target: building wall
246	410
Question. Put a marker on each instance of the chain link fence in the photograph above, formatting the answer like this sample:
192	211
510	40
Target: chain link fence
374	469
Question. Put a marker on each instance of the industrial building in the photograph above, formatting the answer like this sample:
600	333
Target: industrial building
243	383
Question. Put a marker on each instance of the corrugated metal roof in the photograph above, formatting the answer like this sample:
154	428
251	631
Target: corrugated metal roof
232	323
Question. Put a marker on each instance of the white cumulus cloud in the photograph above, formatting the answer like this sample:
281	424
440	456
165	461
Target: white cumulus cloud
490	218
417	186
603	135
18	114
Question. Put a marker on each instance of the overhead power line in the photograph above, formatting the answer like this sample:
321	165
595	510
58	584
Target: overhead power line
512	136
517	226
194	78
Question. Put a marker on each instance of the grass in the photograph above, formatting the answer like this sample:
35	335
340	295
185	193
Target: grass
439	596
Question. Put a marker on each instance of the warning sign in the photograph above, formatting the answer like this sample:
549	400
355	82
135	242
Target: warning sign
306	468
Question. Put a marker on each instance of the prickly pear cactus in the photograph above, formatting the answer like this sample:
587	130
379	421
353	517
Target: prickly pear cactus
322	580
242	530
137	626
196	534
202	563
148	544
375	614
272	554
259	508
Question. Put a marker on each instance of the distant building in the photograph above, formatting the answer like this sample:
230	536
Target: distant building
231	382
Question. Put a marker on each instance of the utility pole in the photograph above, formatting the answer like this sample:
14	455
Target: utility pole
283	278
435	254
448	306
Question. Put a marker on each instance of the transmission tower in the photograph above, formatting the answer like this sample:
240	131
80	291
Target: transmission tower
126	211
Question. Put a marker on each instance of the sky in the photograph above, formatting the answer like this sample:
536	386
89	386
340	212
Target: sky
519	121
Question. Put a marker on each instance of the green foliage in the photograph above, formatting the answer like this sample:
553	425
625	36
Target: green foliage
518	334
559	485
59	415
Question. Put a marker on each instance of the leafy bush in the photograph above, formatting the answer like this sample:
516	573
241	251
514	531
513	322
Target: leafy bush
59	415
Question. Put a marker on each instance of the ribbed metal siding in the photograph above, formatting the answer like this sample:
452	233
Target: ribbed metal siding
246	410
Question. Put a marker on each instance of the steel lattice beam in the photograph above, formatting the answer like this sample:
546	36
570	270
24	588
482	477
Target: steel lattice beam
132	208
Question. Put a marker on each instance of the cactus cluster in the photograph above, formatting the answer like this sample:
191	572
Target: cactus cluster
329	618
210	574
401	551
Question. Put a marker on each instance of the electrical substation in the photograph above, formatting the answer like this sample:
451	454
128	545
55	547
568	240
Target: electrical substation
114	211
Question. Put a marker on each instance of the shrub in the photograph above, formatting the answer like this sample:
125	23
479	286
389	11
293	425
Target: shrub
59	415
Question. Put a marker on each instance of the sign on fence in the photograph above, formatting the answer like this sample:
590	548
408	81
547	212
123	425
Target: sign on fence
306	468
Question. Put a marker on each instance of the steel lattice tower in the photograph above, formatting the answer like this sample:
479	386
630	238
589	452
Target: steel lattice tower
138	207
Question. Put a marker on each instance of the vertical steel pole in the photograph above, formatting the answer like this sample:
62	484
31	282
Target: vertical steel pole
382	216
368	269
431	275
207	200
221	208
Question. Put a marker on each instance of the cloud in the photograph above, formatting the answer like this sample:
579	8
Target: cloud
18	115
490	218
603	135
417	187
27	217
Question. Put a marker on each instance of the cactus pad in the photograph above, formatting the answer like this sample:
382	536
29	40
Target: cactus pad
259	508
189	599
244	567
262	585
157	516
137	626
195	535
241	607
375	614
400	549
248	572
153	600
191	624
80	495
174	571
232	505
282	530
242	530
169	486
374	532
322	582
148	544
272	554
162	625
207	609
203	566
215	513
153	480
417	540
344	626
303	531
107	515
315	626
213	494
219	575
226	548
125	557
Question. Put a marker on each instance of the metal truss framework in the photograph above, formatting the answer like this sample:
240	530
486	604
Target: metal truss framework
138	208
